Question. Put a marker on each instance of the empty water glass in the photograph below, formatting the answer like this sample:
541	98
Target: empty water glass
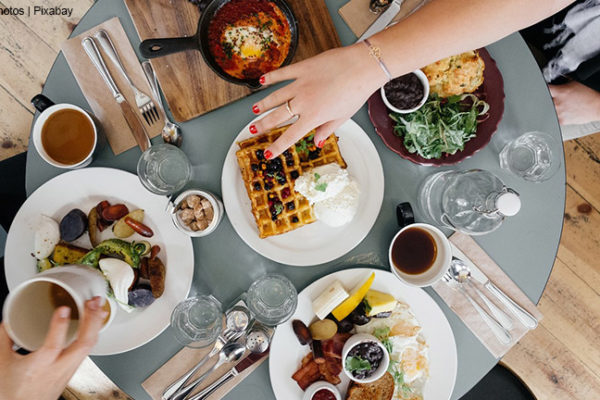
164	169
272	299
197	321
533	156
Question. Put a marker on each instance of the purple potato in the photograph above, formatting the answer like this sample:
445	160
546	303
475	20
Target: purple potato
73	225
140	297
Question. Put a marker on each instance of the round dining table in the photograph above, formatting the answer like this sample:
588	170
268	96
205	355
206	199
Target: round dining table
524	247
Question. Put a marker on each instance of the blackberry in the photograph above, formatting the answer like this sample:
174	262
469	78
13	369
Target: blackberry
289	163
294	219
254	167
313	155
287	153
294	174
268	186
259	154
257	186
290	206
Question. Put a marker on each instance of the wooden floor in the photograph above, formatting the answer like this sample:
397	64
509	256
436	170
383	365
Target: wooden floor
559	360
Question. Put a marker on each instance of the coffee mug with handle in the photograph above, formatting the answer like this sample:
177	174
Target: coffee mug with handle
47	108
29	307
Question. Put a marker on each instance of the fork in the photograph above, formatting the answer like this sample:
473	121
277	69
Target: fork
143	101
227	336
498	330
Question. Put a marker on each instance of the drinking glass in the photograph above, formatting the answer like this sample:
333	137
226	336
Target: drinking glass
164	169
533	156
197	321
272	299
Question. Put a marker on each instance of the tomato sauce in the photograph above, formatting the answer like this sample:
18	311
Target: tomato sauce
248	38
323	394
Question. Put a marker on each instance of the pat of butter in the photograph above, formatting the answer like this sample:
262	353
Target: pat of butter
327	301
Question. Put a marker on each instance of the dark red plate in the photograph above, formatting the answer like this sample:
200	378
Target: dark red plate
492	91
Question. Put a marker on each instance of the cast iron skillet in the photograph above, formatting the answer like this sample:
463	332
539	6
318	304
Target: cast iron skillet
152	48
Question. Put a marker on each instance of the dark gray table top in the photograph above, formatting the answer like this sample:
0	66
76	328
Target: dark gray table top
525	246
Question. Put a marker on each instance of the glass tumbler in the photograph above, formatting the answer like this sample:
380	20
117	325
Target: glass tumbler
272	299
533	156
197	321
164	169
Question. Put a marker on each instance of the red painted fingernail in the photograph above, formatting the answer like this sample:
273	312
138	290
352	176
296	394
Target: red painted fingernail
268	154
253	129
255	109
262	80
321	144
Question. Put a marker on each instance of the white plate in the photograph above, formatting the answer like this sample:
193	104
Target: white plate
315	243
286	352
84	189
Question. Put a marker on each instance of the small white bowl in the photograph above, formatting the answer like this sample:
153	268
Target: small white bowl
315	387
216	204
358	339
423	78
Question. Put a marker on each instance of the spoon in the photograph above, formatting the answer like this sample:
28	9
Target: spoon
230	352
462	270
258	340
171	132
236	321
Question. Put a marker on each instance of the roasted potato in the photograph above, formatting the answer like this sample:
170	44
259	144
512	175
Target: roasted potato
65	253
121	229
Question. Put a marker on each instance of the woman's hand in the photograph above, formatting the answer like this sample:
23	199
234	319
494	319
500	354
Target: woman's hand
44	373
326	91
575	103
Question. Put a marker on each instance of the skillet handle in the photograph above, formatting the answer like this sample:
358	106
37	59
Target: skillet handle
152	48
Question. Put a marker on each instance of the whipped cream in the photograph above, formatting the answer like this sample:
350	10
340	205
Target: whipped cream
332	191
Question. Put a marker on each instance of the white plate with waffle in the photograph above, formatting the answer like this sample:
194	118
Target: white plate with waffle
315	243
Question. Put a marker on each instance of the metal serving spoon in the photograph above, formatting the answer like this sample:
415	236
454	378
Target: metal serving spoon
171	132
230	352
462	269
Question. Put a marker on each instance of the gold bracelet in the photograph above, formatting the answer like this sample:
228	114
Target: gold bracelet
375	52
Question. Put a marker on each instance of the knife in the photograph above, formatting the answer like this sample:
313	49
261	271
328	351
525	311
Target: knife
526	318
132	119
383	20
232	373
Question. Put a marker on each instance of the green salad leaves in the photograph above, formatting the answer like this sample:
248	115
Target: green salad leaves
442	125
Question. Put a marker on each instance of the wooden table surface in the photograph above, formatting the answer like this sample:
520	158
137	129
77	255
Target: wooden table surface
559	360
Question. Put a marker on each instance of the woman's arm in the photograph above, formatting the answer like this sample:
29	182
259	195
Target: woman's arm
326	90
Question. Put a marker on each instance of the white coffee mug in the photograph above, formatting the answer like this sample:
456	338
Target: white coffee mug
440	264
28	308
47	108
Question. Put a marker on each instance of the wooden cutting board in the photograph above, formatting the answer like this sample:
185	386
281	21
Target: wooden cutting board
190	87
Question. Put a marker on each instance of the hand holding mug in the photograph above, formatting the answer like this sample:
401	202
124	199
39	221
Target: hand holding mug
44	373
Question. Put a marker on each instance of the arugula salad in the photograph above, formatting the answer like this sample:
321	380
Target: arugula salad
441	126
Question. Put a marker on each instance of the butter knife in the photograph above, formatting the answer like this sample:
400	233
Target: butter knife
383	20
522	315
132	119
232	373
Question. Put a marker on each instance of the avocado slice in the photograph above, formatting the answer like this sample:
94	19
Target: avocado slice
114	248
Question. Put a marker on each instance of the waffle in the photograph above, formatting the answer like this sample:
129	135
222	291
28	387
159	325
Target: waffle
276	206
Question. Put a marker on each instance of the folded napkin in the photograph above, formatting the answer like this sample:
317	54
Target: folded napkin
185	360
358	17
96	92
465	248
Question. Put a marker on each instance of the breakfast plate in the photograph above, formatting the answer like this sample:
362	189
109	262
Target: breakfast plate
492	91
315	243
286	352
84	189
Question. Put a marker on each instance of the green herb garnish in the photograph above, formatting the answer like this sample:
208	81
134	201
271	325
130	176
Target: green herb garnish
357	364
381	333
317	176
442	125
278	208
321	187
